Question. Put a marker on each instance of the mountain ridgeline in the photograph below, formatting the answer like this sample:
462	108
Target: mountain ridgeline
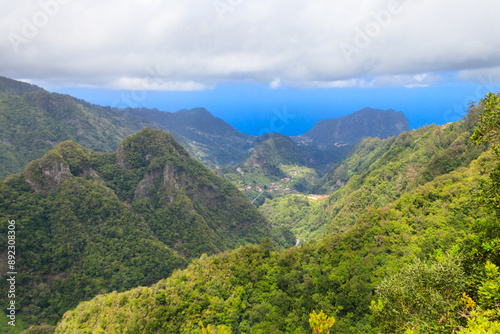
108	199
32	121
354	127
100	222
210	139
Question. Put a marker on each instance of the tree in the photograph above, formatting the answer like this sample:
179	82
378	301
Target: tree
484	315
423	297
213	330
487	131
320	322
484	244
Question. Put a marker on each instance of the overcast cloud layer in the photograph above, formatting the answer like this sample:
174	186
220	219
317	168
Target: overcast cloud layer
197	44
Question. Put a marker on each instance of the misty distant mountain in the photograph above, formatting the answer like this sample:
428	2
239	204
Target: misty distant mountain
352	128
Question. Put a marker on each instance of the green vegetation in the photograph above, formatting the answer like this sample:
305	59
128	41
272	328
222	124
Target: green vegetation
91	223
377	173
278	166
33	121
256	289
143	240
298	213
460	292
209	139
320	322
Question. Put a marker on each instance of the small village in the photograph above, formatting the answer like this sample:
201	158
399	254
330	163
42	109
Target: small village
279	188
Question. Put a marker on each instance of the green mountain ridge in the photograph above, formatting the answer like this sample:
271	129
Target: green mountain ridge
210	139
142	238
92	222
352	128
279	166
32	121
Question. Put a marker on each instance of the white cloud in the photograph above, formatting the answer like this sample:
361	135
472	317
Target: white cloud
113	44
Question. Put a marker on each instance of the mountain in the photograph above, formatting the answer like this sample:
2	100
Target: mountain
277	165
90	222
284	165
276	149
210	139
352	128
33	121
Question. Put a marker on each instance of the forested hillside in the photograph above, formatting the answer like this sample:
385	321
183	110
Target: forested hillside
209	139
100	222
432	192
32	121
278	166
376	173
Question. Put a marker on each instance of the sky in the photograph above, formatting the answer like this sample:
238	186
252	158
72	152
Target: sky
263	66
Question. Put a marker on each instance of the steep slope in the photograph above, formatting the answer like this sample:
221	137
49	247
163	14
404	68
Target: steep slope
307	157
276	149
32	121
13	87
375	174
181	185
278	166
90	222
257	290
352	128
